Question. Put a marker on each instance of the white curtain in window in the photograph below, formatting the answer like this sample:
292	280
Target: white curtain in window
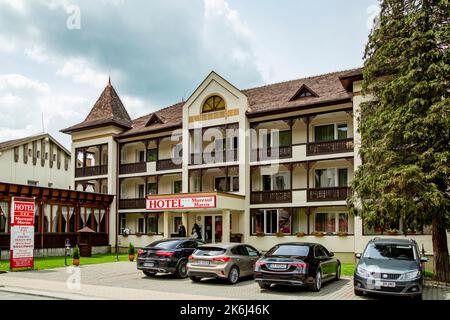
56	213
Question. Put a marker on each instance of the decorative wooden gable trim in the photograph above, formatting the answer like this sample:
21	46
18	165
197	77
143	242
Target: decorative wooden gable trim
154	119
303	92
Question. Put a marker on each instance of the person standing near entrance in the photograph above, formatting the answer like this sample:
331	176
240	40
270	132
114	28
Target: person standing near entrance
196	232
181	231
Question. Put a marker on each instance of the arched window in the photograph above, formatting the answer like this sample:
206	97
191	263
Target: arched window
213	103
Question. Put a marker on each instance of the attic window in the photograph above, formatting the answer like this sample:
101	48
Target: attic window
303	92
213	103
154	119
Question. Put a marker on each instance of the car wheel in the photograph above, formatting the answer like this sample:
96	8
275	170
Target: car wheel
149	273
263	285
195	279
317	285
338	272
181	269
358	293
233	275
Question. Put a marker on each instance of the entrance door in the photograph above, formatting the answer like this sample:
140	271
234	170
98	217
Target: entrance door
213	229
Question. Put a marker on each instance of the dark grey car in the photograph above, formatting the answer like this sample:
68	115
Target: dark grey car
390	266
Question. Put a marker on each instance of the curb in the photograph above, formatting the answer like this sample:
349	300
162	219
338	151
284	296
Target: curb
30	294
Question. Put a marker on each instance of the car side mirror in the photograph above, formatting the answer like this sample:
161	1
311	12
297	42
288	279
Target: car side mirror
331	254
423	259
358	256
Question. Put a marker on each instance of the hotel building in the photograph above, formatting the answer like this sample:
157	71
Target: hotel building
271	164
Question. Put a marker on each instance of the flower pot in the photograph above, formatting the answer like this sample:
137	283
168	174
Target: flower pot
260	234
76	262
342	234
131	257
280	234
300	234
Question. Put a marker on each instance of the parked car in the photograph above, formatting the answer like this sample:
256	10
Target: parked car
297	264
224	261
390	266
167	256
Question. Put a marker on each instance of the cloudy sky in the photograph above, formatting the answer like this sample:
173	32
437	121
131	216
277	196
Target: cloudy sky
56	55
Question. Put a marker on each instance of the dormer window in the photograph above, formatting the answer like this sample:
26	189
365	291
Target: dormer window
154	119
214	103
303	92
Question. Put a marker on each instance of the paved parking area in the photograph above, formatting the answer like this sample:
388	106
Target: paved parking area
125	275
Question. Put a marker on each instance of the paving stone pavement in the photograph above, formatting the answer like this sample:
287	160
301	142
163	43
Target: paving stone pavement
122	280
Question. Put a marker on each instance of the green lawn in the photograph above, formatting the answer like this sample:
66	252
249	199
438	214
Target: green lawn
58	262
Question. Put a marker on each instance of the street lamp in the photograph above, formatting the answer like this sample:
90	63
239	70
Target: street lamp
67	248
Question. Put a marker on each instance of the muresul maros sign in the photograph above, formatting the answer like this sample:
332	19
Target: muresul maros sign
180	202
22	233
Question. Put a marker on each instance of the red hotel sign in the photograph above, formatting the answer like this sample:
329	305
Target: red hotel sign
181	202
22	233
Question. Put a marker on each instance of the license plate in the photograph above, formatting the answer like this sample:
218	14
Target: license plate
149	264
277	266
203	262
388	284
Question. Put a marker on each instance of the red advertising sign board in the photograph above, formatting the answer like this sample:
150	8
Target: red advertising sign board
22	233
181	202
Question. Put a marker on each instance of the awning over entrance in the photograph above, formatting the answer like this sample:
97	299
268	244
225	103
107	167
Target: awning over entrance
194	202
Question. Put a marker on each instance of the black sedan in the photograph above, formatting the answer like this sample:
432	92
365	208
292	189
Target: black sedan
167	256
297	264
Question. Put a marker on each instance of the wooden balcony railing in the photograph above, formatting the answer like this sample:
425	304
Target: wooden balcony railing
279	196
132	203
57	240
328	147
91	171
231	155
284	152
329	194
128	168
167	164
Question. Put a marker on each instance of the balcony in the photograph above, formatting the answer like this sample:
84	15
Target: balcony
133	168
132	203
167	164
329	147
284	152
279	196
329	194
91	171
227	156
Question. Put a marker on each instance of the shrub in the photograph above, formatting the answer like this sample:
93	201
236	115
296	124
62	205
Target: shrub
131	249
76	253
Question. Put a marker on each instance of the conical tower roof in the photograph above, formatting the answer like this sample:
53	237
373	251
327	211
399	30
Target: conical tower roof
108	109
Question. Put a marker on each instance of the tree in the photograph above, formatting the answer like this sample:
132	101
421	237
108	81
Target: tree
405	123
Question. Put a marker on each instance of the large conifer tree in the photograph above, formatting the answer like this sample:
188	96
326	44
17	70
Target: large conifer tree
405	125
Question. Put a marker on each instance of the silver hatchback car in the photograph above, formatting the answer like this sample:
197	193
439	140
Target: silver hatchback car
224	261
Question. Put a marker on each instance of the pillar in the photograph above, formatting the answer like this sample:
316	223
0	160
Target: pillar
166	224
184	221
226	225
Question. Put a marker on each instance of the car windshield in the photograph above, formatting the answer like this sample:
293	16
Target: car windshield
171	244
209	251
389	251
289	250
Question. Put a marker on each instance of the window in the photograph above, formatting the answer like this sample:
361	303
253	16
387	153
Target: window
177	222
141	156
123	223
213	103
252	252
54	157
330	132
46	156
331	222
4	208
267	182
177	186
152	155
152	224
140	225
32	183
177	151
239	250
271	221
284	138
50	185
289	250
141	191
279	181
152	188
30	152
331	177
220	184
38	154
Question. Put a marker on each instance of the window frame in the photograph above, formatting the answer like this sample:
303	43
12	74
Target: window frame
336	221
336	177
336	132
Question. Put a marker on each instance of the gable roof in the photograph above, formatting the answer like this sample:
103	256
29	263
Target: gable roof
108	109
6	145
277	97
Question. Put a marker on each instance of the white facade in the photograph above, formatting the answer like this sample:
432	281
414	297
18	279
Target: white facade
39	161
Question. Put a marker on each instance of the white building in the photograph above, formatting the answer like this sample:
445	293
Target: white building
37	160
283	159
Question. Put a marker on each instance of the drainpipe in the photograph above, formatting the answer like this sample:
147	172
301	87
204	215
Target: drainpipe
117	198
